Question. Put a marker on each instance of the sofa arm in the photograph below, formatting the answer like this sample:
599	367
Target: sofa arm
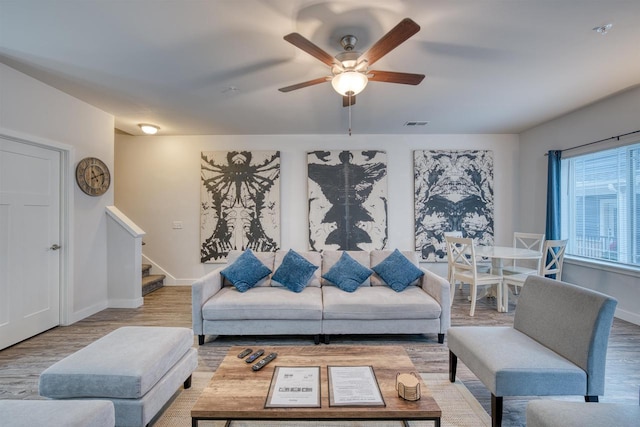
201	290
438	287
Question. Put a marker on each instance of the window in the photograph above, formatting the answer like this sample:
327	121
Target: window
601	205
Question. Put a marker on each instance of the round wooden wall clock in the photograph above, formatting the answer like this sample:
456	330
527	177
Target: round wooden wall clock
93	176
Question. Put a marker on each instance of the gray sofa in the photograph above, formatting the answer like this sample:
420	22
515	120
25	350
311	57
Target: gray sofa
557	345
321	309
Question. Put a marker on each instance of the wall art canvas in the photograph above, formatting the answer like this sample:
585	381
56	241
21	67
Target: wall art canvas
453	192
240	202
347	200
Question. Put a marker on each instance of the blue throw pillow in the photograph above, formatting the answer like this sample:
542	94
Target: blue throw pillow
294	272
347	273
246	271
397	271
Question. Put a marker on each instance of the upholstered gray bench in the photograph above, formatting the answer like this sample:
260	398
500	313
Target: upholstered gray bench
552	413
557	345
138	368
84	413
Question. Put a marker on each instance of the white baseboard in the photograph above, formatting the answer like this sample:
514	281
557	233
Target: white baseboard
157	269
126	303
628	316
183	282
89	311
169	280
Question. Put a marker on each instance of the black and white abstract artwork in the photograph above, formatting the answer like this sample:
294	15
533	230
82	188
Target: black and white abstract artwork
347	200
240	202
453	192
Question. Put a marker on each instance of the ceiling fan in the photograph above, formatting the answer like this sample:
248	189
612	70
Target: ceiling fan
350	69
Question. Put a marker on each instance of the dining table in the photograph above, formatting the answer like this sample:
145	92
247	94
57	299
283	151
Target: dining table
498	254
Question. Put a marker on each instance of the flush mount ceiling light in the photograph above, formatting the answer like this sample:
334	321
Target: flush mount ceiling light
603	29
149	129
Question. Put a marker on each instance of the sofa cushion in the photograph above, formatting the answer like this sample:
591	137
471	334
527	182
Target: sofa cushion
509	363
378	256
329	258
246	271
296	270
379	303
272	303
267	258
347	274
397	271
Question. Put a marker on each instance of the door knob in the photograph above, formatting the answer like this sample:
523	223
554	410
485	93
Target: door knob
55	247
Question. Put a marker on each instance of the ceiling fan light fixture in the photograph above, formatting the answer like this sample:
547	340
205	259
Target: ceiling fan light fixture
149	129
349	83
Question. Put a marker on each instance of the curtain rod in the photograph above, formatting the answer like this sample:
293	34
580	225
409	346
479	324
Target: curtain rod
596	142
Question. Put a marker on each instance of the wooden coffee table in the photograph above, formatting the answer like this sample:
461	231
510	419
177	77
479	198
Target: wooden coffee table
236	392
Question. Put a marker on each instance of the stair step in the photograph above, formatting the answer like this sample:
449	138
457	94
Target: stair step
146	268
151	283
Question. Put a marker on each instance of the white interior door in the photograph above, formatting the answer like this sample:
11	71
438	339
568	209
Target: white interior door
29	236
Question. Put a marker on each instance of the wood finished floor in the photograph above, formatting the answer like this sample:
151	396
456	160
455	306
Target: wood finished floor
21	364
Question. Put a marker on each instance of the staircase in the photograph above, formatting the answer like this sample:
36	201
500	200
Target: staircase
151	282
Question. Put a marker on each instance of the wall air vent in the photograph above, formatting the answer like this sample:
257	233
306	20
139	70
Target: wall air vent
416	123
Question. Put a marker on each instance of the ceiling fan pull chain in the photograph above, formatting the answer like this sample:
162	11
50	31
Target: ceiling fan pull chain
349	113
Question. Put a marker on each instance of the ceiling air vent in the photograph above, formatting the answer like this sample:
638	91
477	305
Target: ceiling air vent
416	123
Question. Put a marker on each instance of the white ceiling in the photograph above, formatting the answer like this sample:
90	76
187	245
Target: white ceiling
214	67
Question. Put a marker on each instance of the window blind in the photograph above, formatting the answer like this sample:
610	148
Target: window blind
601	212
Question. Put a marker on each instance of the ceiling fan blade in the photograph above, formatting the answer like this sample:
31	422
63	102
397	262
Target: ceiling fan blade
393	77
302	43
398	34
346	99
304	84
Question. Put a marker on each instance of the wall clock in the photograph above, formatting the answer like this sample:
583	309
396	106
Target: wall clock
93	176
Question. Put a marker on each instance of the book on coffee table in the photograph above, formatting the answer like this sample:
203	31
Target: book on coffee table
353	386
294	387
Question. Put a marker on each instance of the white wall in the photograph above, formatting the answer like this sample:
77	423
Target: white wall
36	110
615	115
158	182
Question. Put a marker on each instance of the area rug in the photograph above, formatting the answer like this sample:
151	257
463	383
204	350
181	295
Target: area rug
459	408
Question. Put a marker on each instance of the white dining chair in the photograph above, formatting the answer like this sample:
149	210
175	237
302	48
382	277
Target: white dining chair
454	233
481	267
462	259
550	266
530	241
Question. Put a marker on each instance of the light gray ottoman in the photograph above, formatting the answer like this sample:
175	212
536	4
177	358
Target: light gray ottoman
552	413
67	413
138	368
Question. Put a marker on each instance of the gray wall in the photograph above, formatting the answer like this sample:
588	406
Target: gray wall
614	115
39	112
